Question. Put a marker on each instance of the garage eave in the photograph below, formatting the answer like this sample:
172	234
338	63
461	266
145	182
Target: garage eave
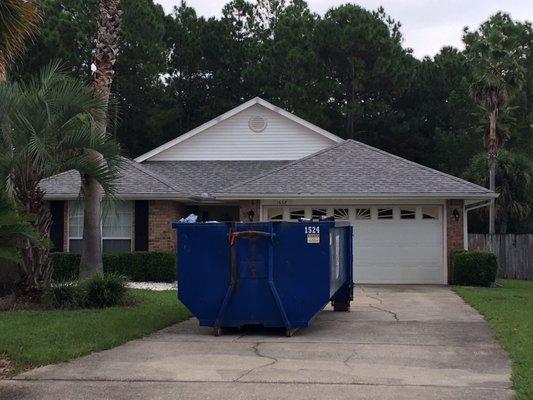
355	196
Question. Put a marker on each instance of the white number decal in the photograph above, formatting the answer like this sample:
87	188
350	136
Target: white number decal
312	229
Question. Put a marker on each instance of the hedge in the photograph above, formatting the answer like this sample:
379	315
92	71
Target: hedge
474	268
138	266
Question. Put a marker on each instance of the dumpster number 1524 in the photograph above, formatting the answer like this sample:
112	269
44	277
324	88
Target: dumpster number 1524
312	229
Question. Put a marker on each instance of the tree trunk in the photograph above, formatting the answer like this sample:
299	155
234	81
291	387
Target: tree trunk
3	71
492	161
104	60
35	268
91	263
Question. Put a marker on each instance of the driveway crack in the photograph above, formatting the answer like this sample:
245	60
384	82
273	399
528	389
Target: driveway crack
256	351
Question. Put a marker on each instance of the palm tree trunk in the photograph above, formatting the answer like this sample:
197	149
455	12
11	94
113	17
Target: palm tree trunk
104	60
91	263
3	71
492	161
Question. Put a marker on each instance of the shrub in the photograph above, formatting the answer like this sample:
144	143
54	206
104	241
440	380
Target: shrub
65	266
66	295
475	268
103	291
138	266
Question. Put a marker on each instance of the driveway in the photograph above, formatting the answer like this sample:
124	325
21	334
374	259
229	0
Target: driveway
398	342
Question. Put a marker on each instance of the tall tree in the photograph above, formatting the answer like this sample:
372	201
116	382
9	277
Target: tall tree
105	57
365	64
496	52
18	22
514	184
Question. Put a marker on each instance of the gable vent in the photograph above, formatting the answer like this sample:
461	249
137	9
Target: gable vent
257	123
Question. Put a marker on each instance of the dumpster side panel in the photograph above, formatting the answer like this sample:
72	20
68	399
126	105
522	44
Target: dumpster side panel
302	275
203	268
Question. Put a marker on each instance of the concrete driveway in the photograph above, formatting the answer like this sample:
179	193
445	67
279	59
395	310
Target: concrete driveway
398	342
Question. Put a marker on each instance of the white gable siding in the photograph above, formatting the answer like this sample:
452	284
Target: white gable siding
232	139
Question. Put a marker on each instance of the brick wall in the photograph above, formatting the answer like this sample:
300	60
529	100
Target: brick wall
454	232
161	214
245	206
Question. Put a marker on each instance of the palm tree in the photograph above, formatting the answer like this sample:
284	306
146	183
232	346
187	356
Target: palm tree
514	184
54	126
109	12
496	53
18	22
15	228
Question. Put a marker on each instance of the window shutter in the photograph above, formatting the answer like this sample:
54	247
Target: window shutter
57	228
141	225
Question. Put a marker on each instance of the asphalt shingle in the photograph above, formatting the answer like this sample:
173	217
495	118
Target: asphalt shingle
353	168
134	180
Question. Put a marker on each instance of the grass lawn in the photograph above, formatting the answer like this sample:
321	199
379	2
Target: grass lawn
33	338
509	310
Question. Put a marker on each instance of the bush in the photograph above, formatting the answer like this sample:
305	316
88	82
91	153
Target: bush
66	295
65	266
138	266
474	268
103	291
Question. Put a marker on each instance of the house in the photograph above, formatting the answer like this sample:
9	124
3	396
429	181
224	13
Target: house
258	162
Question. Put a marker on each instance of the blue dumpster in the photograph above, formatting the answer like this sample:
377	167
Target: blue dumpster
274	274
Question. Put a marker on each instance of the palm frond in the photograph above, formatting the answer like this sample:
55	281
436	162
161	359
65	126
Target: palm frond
19	20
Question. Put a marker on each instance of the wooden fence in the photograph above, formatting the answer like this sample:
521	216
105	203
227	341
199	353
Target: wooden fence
514	252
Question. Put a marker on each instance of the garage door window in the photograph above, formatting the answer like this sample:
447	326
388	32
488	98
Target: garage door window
275	213
362	213
385	213
341	214
407	213
318	213
296	213
430	213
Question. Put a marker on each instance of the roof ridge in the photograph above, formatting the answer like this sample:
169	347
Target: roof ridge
146	171
59	174
406	161
284	166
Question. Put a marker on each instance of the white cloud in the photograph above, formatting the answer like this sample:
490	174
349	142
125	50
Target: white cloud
427	25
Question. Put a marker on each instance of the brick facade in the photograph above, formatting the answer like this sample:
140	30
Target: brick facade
454	232
245	206
161	214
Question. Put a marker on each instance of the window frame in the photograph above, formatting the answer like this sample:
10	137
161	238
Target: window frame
78	205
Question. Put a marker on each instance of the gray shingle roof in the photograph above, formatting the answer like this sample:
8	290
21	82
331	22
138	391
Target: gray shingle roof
352	168
207	177
135	181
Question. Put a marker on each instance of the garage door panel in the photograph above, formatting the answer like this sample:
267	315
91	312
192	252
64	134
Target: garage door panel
393	250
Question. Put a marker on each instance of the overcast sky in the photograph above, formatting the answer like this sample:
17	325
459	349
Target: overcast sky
427	25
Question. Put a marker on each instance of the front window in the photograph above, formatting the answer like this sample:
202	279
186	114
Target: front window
116	227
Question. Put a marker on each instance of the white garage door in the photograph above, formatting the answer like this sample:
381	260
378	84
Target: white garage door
392	244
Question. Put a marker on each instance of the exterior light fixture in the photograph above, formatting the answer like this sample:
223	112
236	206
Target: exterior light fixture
456	215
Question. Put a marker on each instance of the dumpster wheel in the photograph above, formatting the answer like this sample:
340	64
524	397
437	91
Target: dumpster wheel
291	332
341	305
217	331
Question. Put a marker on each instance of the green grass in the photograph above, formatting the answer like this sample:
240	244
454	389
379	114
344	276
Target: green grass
509	310
33	338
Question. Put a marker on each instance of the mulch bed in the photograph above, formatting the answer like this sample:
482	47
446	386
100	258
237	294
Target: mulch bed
6	366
